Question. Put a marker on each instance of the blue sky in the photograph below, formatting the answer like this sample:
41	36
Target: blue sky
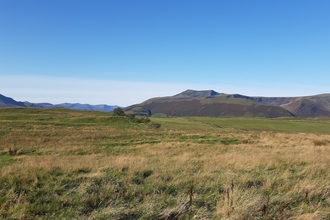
124	52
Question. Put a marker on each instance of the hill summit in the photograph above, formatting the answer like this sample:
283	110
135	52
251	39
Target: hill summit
197	94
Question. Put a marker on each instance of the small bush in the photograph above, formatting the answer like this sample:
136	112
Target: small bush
12	152
155	125
130	117
118	112
143	120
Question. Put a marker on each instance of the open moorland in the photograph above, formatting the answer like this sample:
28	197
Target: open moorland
65	164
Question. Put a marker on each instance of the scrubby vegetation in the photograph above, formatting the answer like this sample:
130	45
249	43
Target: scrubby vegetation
133	119
63	164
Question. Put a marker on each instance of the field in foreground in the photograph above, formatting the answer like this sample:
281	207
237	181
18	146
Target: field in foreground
62	164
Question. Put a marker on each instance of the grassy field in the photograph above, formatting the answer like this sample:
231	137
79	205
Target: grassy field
64	164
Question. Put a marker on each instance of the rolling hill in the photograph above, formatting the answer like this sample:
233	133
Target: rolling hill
304	107
9	102
212	103
311	106
207	103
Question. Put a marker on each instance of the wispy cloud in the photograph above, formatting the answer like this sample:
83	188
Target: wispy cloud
97	91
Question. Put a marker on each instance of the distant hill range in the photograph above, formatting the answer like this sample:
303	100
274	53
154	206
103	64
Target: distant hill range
9	102
206	103
214	104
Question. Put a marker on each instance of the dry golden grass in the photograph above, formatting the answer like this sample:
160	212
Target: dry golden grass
133	172
282	165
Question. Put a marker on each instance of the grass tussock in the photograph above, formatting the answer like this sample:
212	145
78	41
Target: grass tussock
85	165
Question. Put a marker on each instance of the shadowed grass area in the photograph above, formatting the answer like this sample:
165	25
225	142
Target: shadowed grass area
92	165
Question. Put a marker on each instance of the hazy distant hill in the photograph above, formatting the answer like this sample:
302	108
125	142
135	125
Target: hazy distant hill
9	102
211	103
77	106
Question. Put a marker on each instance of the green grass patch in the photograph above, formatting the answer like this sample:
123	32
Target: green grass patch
6	160
251	124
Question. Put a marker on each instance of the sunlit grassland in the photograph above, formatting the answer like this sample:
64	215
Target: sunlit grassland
290	125
91	165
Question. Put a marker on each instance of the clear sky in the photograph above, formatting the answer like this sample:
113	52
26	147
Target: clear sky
122	52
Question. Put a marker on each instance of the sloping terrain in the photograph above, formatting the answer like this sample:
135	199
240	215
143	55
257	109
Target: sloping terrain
205	103
305	107
9	102
313	106
211	103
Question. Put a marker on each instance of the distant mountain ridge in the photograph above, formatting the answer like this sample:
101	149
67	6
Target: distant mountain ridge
9	102
78	106
206	103
212	103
